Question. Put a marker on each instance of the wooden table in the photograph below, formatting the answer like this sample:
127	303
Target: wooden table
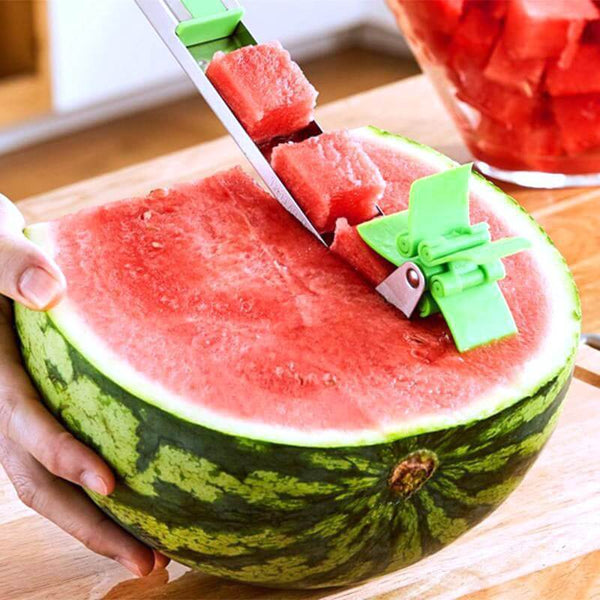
543	543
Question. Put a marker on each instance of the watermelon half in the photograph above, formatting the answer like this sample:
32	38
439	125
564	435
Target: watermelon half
270	418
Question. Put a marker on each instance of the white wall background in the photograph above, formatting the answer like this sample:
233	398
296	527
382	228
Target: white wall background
107	60
102	49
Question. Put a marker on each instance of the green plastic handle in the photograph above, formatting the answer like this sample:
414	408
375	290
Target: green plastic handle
485	253
460	264
438	204
211	21
477	316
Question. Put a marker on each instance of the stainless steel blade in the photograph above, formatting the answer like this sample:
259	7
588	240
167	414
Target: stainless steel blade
404	288
164	16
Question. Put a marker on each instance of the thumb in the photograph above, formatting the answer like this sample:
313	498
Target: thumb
26	274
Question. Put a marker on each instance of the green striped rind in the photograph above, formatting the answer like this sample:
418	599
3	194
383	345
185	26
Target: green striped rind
280	515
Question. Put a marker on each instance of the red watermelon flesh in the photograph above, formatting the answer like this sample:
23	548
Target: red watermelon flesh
330	176
591	33
348	245
578	118
474	38
495	8
427	25
581	77
435	15
546	28
527	147
228	309
398	169
265	89
523	75
497	101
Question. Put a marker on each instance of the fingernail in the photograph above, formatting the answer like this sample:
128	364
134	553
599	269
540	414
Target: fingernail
94	483
38	287
130	566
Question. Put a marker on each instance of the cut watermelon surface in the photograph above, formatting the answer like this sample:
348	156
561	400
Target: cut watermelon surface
260	331
269	418
265	89
330	176
348	245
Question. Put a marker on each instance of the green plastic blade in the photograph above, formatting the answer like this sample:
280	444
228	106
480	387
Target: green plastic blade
211	21
487	253
477	316
438	204
381	235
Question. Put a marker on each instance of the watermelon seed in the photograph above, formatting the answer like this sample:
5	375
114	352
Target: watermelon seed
412	472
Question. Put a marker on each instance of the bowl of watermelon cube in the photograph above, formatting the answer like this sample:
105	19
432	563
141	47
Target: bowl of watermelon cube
521	79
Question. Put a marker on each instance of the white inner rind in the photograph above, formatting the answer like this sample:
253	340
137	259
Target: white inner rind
553	355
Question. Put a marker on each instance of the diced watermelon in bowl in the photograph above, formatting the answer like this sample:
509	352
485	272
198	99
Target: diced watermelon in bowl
520	79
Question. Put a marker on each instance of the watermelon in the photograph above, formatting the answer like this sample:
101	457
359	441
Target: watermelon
427	25
348	245
330	176
581	77
266	90
546	28
524	75
270	418
527	147
500	102
474	37
578	118
436	15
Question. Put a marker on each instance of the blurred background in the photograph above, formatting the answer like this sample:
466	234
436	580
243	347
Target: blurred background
86	87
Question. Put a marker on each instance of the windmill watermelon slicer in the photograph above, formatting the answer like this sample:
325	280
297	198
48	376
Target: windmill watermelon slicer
444	264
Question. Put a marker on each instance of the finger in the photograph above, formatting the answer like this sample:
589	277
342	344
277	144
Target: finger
72	511
25	421
160	560
26	274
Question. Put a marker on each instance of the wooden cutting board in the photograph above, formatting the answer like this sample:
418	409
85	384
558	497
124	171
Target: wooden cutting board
543	543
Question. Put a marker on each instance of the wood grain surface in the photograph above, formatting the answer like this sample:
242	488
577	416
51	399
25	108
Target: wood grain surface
542	543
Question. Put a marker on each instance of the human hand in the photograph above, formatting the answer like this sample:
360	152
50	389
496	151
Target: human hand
45	463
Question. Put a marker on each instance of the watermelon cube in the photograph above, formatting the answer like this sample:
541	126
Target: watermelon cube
474	37
578	118
428	25
527	147
523	75
348	245
591	33
330	176
546	28
581	77
265	89
494	100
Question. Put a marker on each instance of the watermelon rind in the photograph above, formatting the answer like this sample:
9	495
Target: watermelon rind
301	512
275	514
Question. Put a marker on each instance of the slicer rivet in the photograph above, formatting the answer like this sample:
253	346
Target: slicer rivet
413	278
